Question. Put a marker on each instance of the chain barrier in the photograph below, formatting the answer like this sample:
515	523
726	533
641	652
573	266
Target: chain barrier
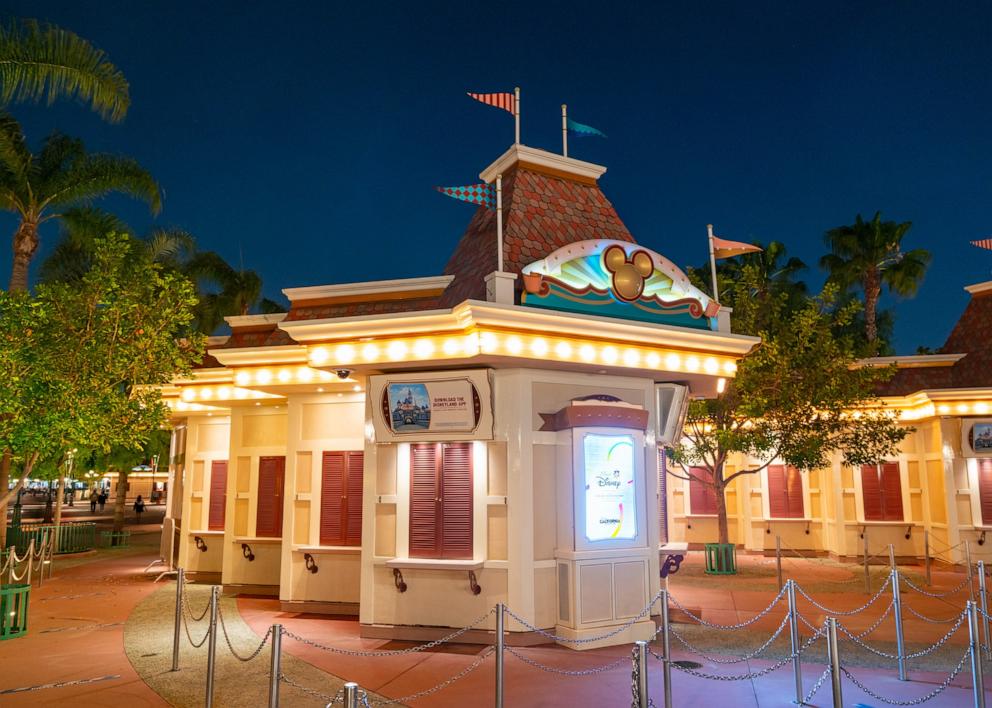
190	636
567	672
931	620
734	627
189	610
844	613
258	649
875	625
441	686
816	686
322	697
914	701
737	660
389	652
635	691
915	655
588	640
920	590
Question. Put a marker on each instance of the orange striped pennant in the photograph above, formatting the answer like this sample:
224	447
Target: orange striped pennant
499	100
983	243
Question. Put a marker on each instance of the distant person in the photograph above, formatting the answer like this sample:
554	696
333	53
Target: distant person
93	498
102	498
139	506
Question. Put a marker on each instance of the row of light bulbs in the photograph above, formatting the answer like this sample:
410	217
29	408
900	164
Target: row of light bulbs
283	375
517	345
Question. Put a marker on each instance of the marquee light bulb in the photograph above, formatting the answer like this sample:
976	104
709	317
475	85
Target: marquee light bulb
943	408
653	360
319	355
673	362
563	350
514	346
692	363
284	376
587	353
223	393
539	347
631	357
264	376
188	394
396	350
243	378
711	366
345	354
423	348
488	342
730	367
610	355
451	346
304	374
981	408
370	352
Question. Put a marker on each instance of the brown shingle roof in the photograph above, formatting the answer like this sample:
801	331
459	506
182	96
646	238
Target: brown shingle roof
354	309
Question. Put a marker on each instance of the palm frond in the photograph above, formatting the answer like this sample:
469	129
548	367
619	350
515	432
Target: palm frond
170	246
15	157
98	175
42	61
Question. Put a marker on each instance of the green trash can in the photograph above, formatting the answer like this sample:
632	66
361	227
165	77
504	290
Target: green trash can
721	558
13	610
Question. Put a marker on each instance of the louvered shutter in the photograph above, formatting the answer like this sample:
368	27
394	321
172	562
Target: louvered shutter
985	490
456	501
271	476
663	494
424	495
794	493
702	496
332	481
353	503
218	495
891	492
871	493
778	497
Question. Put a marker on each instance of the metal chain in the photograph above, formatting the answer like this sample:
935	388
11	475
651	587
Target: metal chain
915	655
389	652
190	636
587	640
829	611
323	697
740	625
915	701
934	594
567	672
189	609
258	649
444	684
635	680
816	686
876	623
746	657
931	620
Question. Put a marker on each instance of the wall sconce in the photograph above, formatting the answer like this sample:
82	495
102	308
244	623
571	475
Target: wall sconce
398	580
807	528
246	552
309	562
200	545
768	528
909	532
863	531
473	583
981	539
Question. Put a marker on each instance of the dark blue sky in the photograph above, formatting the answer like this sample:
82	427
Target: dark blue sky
309	135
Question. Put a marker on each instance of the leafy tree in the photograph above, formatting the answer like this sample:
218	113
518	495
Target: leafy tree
62	175
869	255
42	61
791	399
80	364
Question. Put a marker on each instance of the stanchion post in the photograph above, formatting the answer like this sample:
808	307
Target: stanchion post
794	637
833	655
926	555
30	559
867	577
984	605
212	646
666	645
977	681
275	666
351	695
892	557
180	589
971	578
897	614
641	651
778	560
500	644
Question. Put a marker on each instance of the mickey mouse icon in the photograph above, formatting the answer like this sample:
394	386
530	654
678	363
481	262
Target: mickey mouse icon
628	274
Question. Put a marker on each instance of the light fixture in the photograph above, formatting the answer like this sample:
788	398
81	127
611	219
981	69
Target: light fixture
319	355
243	378
263	376
587	353
344	354
356	388
284	375
370	352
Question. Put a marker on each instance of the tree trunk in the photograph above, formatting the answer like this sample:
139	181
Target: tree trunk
120	503
721	512
4	483
59	499
47	518
25	246
11	494
873	289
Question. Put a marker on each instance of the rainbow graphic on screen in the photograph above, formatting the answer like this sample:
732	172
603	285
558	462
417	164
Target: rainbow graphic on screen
609	487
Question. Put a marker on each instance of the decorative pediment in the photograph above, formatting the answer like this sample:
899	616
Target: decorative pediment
617	279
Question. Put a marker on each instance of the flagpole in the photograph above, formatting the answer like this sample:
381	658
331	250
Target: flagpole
499	222
709	232
564	130
516	116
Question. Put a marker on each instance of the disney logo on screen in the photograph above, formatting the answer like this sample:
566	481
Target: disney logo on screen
608	480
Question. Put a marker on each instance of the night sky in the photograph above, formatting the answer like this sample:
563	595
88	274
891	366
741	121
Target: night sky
307	137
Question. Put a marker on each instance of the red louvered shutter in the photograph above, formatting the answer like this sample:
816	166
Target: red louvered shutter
424	496
332	481
871	493
218	495
271	477
891	492
794	493
456	501
778	497
985	490
702	496
663	494
353	502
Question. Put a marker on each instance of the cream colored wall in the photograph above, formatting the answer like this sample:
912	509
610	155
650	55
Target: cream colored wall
207	440
256	431
317	423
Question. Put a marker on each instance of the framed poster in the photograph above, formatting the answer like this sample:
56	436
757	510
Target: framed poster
432	406
976	437
610	498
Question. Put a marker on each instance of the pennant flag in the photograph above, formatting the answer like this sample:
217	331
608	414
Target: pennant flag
483	194
499	100
983	243
722	248
580	130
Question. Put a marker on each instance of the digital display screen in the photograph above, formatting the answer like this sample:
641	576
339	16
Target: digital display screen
609	487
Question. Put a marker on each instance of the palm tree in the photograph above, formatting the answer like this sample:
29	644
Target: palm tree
42	61
868	254
225	291
60	176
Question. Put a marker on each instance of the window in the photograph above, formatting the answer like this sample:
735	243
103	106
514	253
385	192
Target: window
341	498
702	496
785	492
218	495
271	477
985	489
881	492
441	500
